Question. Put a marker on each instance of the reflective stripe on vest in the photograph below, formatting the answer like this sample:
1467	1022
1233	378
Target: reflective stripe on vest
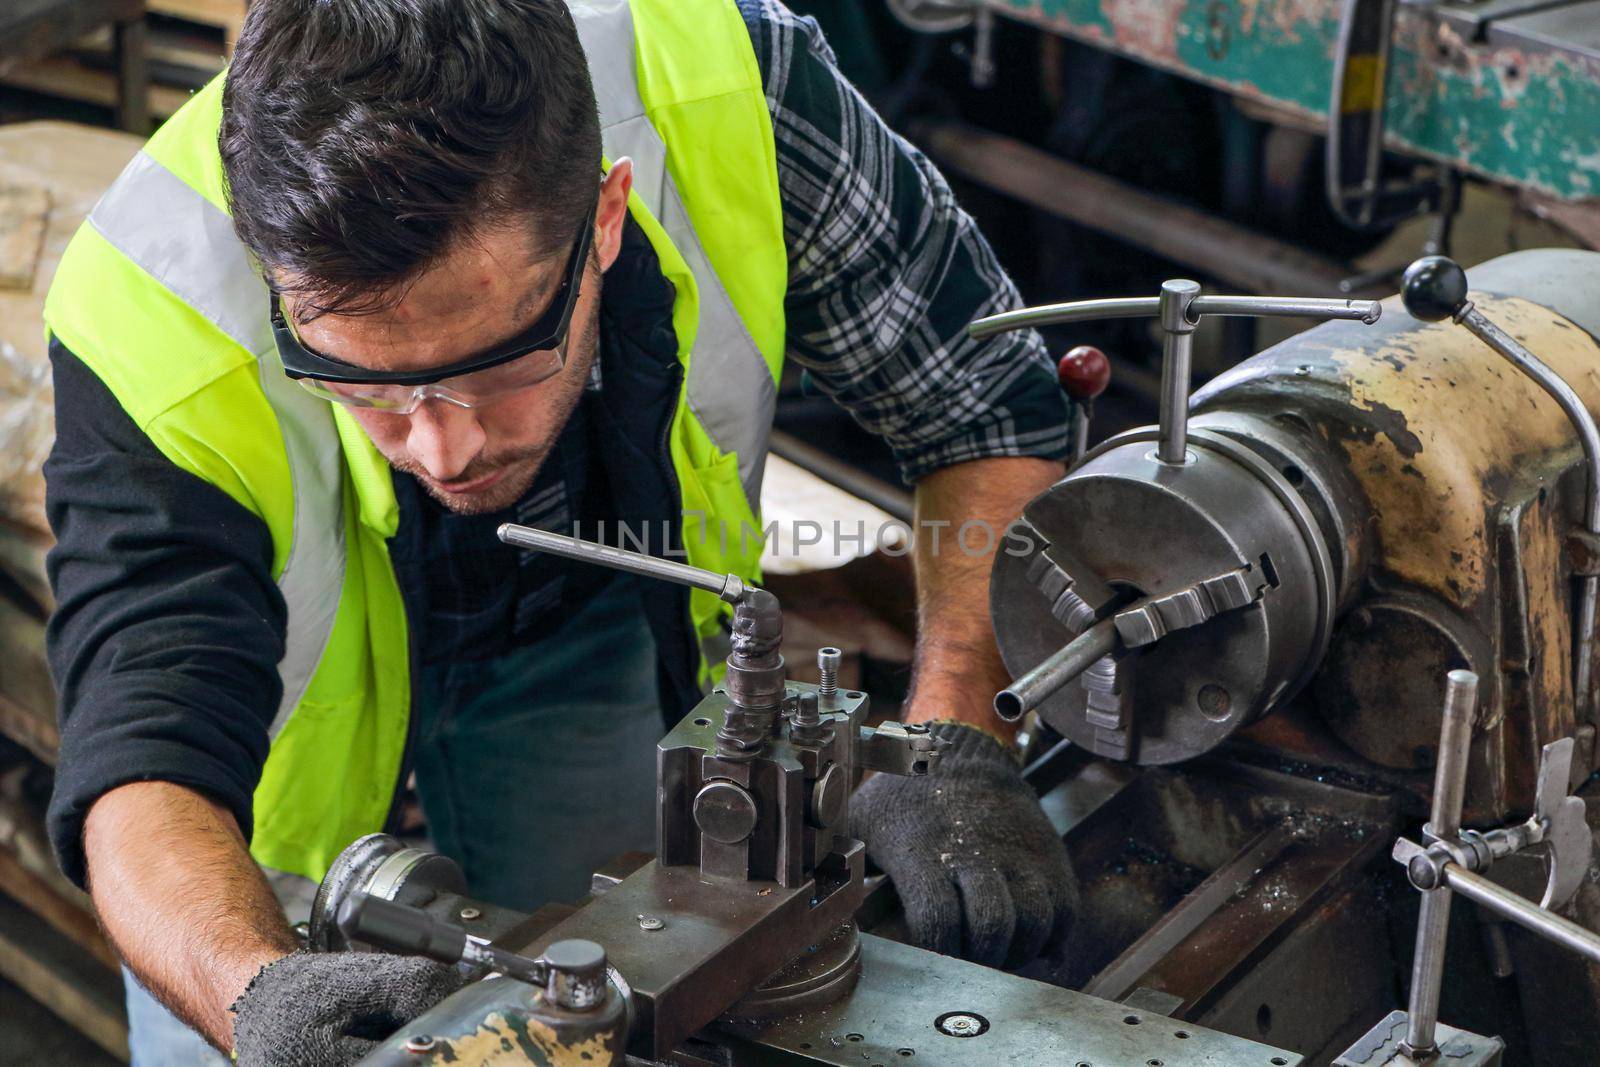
731	390
149	215
158	297
729	386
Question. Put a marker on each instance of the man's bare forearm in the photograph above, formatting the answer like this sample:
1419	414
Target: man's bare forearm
182	901
958	668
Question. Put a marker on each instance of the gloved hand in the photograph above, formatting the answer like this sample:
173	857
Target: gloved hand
329	1009
978	866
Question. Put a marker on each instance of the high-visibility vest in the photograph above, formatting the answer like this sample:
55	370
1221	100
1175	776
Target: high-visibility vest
161	300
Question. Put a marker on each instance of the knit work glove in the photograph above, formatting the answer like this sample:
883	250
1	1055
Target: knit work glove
329	1009
979	869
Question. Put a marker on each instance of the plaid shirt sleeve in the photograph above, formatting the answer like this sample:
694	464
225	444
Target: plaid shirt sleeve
886	270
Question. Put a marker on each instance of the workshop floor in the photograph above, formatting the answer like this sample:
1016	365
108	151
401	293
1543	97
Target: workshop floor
30	1034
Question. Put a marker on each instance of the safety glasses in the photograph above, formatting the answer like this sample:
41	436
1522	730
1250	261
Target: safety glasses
534	355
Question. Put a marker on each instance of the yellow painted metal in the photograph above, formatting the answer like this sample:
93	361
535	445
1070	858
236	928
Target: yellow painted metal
1471	478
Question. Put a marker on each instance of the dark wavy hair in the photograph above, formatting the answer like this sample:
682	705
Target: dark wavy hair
362	138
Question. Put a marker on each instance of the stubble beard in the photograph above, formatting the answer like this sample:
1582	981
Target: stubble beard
522	466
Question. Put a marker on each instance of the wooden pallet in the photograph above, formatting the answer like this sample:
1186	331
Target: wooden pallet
184	55
228	15
50	944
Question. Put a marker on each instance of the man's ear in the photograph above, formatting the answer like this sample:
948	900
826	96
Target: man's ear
612	211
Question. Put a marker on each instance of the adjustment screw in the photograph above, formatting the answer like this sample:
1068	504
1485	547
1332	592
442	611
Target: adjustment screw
807	714
828	666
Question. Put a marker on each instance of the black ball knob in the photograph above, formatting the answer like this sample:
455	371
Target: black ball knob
1434	289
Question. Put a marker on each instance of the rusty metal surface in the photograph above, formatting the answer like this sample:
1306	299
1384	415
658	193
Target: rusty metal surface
1278	848
1518	108
1469	473
505	1023
1170	853
1437	429
1317	1010
1213	884
1128	971
1309	860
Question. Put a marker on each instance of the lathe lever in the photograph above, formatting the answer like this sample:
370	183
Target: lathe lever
1435	289
1084	372
571	973
1180	308
728	587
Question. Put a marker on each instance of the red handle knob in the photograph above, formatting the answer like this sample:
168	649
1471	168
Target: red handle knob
1084	372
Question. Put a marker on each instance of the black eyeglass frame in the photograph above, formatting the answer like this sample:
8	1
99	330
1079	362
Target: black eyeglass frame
547	333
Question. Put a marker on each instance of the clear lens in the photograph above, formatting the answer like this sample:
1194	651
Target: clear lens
473	390
396	399
485	385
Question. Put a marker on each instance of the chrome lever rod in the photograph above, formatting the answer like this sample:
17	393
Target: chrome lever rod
1180	308
1435	289
1148	307
728	587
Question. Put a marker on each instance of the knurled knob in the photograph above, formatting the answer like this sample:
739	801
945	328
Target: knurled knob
1084	372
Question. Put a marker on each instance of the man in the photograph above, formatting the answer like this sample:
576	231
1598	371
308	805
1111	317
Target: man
393	284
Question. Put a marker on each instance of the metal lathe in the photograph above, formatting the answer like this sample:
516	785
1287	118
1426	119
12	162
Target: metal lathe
1319	648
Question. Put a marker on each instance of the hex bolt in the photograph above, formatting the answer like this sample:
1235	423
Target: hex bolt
828	666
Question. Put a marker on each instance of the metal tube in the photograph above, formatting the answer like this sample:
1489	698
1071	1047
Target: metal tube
1177	297
1512	908
728	587
1427	970
1367	311
1433	925
1455	745
1589	438
1137	307
1122	307
1033	688
1177	354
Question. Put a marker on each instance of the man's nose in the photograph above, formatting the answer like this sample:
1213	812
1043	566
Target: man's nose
444	438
